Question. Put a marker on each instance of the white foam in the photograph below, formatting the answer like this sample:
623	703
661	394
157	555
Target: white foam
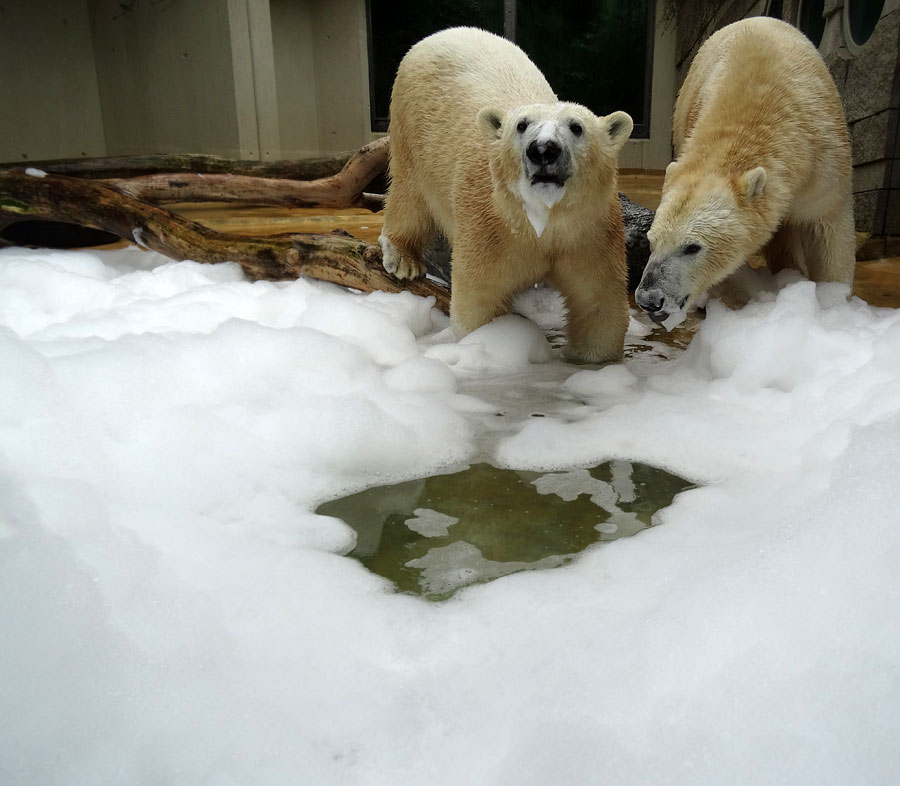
171	609
430	523
509	342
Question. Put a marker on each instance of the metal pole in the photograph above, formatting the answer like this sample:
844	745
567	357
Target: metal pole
509	19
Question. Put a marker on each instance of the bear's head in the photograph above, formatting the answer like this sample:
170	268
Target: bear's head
542	153
705	227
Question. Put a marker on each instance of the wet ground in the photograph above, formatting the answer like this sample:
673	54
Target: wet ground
877	281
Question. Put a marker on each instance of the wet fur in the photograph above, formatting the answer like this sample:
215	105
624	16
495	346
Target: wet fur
456	164
757	95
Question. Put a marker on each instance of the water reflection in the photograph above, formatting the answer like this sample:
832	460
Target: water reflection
433	535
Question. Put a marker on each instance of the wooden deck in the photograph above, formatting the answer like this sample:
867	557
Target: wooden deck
877	282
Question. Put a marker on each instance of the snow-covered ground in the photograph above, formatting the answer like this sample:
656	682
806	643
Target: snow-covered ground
173	612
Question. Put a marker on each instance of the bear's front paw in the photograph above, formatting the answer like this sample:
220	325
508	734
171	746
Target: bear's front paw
397	264
408	268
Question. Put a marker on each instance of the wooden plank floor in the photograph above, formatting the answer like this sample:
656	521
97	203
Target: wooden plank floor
877	282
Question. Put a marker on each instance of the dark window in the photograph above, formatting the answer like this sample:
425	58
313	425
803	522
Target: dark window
862	17
594	52
395	25
810	19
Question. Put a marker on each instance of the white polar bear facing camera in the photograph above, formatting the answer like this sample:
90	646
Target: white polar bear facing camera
523	186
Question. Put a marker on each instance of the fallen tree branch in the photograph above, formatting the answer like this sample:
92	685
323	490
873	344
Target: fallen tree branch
122	206
341	190
137	166
336	257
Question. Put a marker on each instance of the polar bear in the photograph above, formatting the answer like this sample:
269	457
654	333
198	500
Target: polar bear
522	185
762	161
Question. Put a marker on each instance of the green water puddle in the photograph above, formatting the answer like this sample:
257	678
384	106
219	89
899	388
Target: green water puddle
434	535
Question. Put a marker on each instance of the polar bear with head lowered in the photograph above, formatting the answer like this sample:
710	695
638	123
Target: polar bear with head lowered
762	162
522	186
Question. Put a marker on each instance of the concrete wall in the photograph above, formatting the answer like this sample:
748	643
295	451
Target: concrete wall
255	95
258	79
321	66
342	74
166	77
50	105
107	77
295	78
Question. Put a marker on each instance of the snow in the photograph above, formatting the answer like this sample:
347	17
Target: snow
172	611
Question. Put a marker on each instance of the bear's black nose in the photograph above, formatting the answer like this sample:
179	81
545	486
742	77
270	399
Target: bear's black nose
650	300
543	153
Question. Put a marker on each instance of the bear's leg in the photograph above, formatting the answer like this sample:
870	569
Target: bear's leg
485	280
830	245
475	301
597	307
408	227
785	250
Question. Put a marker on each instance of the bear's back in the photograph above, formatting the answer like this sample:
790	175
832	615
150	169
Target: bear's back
753	66
472	67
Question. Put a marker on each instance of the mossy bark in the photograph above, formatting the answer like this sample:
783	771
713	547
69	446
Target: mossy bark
137	166
336	257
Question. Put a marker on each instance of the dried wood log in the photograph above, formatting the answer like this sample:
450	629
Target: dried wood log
273	257
336	257
136	166
344	189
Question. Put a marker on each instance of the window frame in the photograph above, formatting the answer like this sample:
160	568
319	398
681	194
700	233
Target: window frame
853	46
641	130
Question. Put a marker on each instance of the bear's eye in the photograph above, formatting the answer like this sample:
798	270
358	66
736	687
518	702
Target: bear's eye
576	128
523	124
691	248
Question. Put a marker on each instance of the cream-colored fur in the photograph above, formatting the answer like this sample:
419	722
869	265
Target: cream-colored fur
465	107
762	162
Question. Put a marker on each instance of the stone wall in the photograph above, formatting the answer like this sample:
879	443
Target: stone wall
869	83
870	88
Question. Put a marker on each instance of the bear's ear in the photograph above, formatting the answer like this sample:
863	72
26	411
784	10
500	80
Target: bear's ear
490	123
617	127
670	169
753	182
